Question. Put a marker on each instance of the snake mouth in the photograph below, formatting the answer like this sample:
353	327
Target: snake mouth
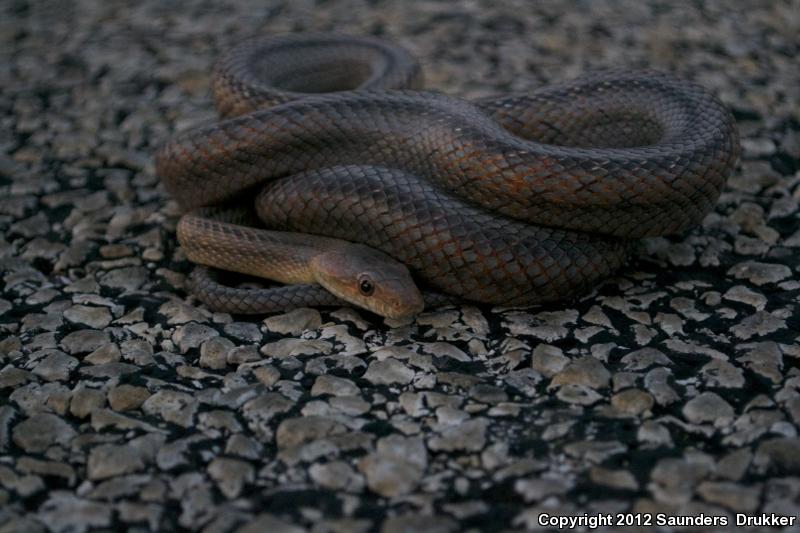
403	309
404	306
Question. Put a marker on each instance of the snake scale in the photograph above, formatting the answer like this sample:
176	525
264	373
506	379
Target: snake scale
333	172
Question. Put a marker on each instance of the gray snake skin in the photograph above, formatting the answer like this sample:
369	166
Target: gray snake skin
516	200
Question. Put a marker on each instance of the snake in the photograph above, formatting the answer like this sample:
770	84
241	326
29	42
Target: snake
333	172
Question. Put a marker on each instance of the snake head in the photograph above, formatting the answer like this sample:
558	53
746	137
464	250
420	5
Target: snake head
370	279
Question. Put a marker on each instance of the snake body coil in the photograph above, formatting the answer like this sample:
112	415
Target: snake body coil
519	199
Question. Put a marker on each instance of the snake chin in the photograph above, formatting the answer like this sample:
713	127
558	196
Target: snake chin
369	279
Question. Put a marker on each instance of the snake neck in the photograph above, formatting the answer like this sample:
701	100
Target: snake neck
241	249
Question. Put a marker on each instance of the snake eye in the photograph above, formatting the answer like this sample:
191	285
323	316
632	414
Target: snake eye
366	286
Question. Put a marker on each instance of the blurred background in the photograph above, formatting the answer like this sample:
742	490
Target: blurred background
124	423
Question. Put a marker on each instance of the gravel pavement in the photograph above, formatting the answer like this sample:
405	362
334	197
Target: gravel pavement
673	388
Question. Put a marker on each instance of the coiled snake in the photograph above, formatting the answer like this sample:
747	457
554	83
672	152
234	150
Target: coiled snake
517	200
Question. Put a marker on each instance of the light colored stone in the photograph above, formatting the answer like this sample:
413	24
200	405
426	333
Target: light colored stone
214	353
295	321
760	273
94	317
740	498
586	371
708	407
110	460
57	366
389	371
85	400
231	475
632	402
192	335
64	511
127	397
334	386
294	432
759	323
84	341
467	436
336	475
172	406
294	347
40	431
779	455
389	476
548	360
615	479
